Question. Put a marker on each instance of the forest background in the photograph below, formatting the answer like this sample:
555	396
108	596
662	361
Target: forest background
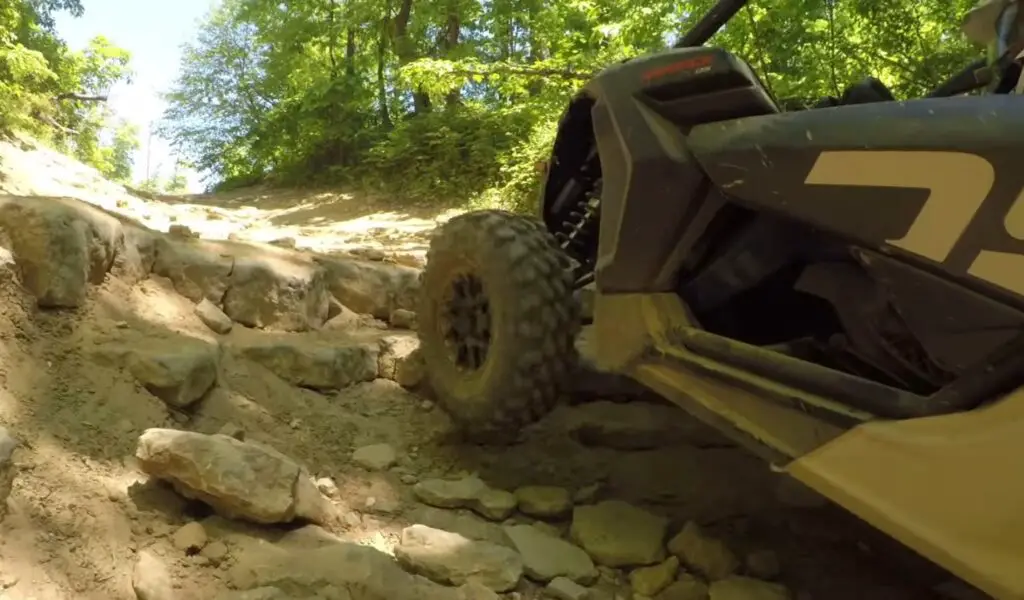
445	101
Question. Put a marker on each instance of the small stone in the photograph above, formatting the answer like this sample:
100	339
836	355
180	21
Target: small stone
215	552
617	534
403	319
411	372
190	538
546	557
327	487
586	494
705	555
687	587
450	558
651	580
150	578
543	501
562	588
546	528
181	231
375	457
473	590
213	317
284	242
495	504
409	479
232	430
763	564
746	588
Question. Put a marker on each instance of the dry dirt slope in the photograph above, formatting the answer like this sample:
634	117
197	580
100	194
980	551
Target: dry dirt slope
198	418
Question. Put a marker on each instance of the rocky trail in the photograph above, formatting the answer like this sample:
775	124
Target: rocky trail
219	397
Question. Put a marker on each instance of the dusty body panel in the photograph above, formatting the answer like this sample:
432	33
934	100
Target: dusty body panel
935	181
634	335
950	487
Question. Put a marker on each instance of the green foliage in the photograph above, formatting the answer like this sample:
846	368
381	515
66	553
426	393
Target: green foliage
57	94
459	99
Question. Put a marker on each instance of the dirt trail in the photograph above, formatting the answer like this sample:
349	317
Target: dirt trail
122	331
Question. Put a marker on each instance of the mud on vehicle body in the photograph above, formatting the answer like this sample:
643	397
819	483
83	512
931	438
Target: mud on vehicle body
840	289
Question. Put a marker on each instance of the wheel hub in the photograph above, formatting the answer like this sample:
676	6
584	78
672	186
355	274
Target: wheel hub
466	322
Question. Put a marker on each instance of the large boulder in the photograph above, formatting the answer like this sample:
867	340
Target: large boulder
198	269
334	570
61	246
238	479
177	369
372	288
277	290
315	365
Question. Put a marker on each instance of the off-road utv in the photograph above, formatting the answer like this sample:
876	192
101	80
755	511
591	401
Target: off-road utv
840	289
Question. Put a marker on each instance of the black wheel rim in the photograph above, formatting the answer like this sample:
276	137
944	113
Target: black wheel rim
466	322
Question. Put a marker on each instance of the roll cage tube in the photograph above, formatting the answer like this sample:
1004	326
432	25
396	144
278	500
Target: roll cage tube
710	23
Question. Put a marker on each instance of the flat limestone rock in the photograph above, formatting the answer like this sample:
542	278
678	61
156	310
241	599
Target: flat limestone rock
375	457
450	558
465	523
648	581
335	571
544	501
469	492
617	534
706	555
546	557
314	364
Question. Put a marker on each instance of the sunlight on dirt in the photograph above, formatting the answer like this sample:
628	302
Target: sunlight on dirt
316	220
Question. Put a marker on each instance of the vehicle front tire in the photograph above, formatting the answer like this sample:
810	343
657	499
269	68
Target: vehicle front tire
497	322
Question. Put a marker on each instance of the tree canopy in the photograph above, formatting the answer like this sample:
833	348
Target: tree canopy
441	99
59	94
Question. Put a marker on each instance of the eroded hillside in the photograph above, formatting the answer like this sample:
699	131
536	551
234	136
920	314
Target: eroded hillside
219	397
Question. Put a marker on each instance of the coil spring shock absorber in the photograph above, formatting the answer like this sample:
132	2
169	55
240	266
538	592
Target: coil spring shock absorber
578	236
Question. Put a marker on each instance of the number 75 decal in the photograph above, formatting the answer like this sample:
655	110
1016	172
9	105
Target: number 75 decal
958	184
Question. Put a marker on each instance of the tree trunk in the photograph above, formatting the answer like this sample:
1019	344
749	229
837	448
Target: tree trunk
350	52
406	51
451	41
382	90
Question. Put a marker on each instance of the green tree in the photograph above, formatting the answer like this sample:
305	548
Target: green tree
57	94
454	99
